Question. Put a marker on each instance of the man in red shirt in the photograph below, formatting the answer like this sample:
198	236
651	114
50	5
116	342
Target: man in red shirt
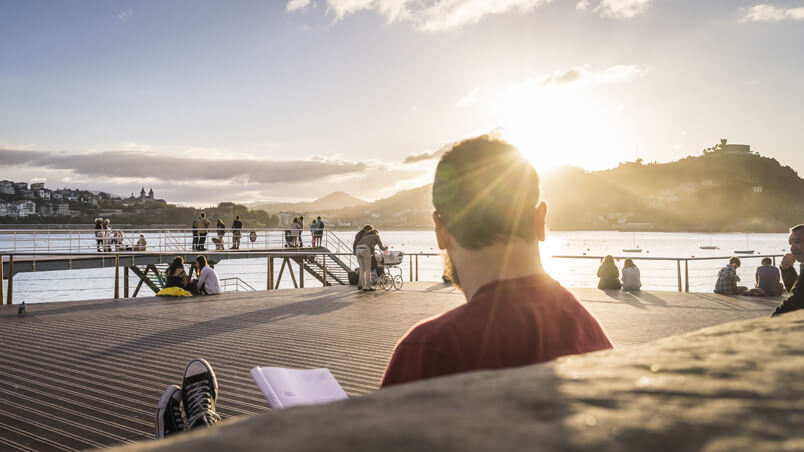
489	220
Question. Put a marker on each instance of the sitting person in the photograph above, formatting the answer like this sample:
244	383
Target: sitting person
792	281
141	243
516	314
208	282
727	279
769	279
631	276
175	276
608	273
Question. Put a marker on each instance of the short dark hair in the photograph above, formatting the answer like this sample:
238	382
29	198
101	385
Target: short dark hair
766	261
797	227
735	260
484	191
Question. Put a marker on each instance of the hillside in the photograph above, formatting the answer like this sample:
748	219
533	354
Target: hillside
333	201
715	192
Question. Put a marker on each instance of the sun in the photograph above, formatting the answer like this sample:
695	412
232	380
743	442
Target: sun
561	125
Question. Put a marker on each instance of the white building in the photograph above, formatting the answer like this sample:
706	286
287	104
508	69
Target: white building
62	209
26	208
4	209
43	193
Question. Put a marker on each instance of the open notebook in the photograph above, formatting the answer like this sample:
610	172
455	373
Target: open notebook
290	387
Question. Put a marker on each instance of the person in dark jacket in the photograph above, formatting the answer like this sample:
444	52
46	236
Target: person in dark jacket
792	281
99	233
609	274
237	232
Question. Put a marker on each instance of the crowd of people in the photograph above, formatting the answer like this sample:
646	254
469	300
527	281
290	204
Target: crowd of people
201	226
107	240
293	235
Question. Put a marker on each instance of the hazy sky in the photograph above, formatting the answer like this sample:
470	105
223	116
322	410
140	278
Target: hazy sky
209	101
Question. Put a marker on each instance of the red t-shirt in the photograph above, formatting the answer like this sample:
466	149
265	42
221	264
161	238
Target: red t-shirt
507	323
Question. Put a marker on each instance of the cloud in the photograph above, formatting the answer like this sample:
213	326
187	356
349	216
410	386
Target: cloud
582	5
125	15
435	15
582	74
468	99
293	5
770	13
429	155
623	9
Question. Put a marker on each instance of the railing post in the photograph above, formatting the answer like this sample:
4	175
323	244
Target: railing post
116	276
10	296
417	267
686	275
301	273
125	282
678	268
1	280
270	283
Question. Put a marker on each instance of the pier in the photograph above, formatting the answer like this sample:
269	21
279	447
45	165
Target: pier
88	374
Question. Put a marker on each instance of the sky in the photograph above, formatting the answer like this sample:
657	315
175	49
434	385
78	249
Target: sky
276	100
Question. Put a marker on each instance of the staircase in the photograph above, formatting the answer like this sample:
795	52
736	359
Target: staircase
337	271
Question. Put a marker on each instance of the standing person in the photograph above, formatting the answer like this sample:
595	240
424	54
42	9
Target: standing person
195	233
769	279
107	235
208	282
203	229
221	233
608	273
301	228
237	232
631	279
141	243
313	228
296	232
727	279
792	281
99	233
364	250
319	232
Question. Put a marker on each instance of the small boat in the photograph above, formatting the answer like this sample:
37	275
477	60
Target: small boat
744	252
635	249
708	247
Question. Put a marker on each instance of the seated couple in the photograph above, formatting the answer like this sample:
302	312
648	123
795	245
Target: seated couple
207	283
489	220
610	276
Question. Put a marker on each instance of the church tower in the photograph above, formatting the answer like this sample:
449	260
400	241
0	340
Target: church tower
151	193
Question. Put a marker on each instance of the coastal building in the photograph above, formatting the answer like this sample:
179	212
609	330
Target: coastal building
45	210
21	185
42	193
7	187
37	186
25	208
725	147
62	209
4	209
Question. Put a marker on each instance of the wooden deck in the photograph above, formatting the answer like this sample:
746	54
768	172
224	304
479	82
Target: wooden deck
88	374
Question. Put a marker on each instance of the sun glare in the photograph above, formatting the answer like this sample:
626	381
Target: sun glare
561	125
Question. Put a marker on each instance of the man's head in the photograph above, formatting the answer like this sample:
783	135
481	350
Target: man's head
486	193
766	261
319	218
203	214
735	261
796	241
237	217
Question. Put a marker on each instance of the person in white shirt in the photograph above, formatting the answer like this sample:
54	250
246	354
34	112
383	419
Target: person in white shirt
207	282
631	276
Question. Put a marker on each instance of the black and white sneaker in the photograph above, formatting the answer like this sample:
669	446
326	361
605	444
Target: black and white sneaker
169	418
199	393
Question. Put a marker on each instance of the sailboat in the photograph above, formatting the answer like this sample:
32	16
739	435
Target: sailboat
746	250
708	247
635	249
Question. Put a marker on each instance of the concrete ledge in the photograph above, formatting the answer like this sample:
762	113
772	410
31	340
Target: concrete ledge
736	386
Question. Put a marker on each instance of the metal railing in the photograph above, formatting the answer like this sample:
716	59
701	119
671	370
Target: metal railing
238	284
682	276
37	241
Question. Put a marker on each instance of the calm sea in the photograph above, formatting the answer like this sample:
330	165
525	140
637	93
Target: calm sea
656	275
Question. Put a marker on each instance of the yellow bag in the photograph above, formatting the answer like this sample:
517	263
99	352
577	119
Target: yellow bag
173	292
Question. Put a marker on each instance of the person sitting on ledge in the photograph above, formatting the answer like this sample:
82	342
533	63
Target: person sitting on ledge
727	279
792	281
608	273
489	220
769	279
208	282
631	281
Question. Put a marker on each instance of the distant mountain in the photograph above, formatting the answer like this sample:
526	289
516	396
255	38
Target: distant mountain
333	201
719	191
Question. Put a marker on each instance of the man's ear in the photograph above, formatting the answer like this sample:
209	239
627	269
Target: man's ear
442	236
540	220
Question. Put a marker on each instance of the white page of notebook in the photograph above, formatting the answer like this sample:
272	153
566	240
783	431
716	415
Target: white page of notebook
303	386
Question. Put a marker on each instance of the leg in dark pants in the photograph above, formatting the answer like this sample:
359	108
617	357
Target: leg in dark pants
202	239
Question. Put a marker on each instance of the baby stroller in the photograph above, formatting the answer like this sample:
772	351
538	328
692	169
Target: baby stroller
388	271
289	239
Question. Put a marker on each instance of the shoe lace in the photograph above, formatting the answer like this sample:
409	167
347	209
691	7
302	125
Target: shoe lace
199	400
